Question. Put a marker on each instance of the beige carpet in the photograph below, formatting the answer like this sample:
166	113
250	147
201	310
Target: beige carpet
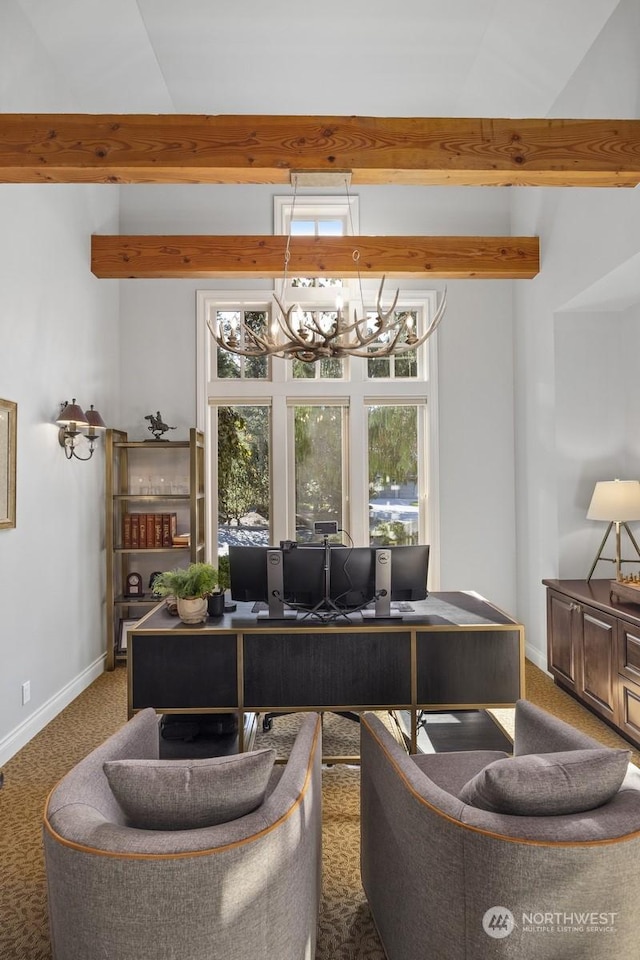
346	931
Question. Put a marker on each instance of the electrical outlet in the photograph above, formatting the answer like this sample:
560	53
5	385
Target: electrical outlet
26	692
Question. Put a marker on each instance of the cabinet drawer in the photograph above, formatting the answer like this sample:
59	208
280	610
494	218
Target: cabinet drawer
629	651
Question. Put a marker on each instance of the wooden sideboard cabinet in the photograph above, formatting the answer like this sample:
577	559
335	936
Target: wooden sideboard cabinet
593	650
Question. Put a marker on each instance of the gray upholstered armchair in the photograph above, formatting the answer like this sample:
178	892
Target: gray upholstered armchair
456	879
246	889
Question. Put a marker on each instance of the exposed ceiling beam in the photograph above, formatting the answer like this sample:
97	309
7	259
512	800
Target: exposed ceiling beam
68	148
150	257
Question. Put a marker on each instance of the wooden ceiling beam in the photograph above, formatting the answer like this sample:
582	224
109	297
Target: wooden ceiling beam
79	148
153	257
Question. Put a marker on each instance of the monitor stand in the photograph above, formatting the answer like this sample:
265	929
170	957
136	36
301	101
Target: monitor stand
275	590
326	609
382	603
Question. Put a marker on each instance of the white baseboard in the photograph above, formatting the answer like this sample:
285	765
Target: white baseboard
26	731
536	657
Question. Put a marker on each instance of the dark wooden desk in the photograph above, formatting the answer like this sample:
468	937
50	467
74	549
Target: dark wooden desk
454	651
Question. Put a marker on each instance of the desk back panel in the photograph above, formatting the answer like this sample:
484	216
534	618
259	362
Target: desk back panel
461	666
321	668
185	671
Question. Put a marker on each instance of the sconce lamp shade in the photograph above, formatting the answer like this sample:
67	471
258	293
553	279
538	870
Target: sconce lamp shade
615	501
94	419
73	413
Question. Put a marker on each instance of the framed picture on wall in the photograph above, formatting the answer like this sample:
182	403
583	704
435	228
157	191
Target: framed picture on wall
8	433
124	626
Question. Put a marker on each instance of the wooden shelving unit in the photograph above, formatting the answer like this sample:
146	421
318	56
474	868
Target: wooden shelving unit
148	477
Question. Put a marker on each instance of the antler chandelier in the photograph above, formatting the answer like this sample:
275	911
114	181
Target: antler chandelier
301	335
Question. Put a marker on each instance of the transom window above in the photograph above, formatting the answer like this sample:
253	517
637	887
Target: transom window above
237	316
316	217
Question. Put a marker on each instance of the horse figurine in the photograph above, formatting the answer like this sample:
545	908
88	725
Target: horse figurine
157	426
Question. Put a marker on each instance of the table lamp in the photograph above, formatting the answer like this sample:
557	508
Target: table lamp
616	501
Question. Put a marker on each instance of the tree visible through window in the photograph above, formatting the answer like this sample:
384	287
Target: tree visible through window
318	443
243	474
393	475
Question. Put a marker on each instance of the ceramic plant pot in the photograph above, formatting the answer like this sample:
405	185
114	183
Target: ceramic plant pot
192	610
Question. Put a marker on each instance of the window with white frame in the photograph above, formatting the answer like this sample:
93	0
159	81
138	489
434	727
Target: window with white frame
291	443
315	217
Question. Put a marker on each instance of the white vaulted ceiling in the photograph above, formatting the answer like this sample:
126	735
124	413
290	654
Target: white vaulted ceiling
491	58
414	58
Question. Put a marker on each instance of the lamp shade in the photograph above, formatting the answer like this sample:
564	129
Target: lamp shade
615	500
94	419
72	413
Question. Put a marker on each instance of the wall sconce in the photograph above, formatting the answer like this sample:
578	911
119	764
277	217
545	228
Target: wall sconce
74	423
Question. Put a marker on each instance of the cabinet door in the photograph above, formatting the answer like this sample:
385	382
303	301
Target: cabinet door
629	709
599	656
563	639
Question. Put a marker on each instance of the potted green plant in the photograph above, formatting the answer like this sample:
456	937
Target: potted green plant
191	586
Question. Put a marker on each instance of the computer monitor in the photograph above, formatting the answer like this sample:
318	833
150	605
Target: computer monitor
248	573
357	575
409	571
352	576
297	573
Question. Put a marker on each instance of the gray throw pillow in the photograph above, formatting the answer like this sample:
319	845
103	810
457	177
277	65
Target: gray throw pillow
187	794
548	784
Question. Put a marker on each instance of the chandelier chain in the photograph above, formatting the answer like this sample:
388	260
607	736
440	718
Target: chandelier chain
356	253
287	249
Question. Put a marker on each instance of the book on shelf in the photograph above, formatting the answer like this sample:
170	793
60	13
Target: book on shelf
169	528
181	540
143	531
151	529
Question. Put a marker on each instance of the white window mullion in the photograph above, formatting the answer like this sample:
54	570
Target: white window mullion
282	482
211	484
432	480
347	500
422	474
358	474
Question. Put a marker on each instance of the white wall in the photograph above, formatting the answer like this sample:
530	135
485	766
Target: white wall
568	365
58	339
477	494
596	416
